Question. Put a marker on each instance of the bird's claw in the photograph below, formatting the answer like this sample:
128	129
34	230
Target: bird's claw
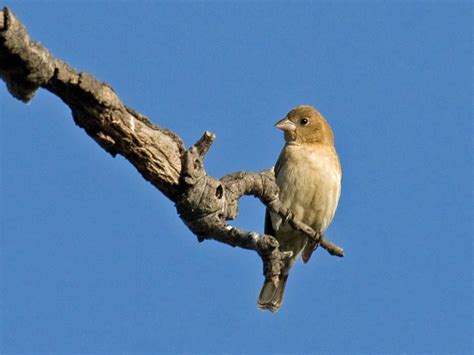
288	217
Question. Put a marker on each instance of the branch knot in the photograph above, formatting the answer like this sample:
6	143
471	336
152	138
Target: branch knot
202	204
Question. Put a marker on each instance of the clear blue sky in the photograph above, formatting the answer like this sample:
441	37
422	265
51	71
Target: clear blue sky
95	260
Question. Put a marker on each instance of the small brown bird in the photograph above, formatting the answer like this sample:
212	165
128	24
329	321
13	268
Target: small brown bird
308	174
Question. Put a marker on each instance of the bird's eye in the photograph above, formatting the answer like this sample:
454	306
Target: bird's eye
304	121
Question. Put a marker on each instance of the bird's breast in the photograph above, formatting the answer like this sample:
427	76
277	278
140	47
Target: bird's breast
309	178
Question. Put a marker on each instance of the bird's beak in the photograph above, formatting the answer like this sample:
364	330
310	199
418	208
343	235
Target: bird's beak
285	125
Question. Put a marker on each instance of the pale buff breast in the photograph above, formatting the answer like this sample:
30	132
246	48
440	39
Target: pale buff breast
309	178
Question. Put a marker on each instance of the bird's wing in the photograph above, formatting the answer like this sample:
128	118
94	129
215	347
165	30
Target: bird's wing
278	165
268	229
308	250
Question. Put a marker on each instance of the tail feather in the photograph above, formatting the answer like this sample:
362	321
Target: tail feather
271	295
269	289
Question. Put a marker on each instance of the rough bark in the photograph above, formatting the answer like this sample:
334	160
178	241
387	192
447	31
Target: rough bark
203	202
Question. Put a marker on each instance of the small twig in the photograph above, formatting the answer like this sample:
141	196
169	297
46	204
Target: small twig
276	207
332	248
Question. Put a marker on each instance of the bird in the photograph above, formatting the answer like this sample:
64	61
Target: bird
308	174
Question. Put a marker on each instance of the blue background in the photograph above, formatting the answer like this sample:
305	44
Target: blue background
95	260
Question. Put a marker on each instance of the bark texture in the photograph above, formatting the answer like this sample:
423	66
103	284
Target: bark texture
203	202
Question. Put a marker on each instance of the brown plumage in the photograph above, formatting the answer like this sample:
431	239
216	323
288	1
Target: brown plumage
308	174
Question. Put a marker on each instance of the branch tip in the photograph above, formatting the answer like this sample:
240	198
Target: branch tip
332	248
204	143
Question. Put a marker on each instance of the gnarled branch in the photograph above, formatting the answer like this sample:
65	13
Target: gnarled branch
203	202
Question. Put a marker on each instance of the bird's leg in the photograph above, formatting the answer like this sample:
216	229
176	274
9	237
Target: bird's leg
288	217
318	237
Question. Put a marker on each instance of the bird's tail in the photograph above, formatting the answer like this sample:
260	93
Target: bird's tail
271	295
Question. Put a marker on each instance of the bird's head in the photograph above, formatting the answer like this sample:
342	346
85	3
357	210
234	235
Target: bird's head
304	124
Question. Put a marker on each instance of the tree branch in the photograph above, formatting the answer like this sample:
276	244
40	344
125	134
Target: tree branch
25	66
203	202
